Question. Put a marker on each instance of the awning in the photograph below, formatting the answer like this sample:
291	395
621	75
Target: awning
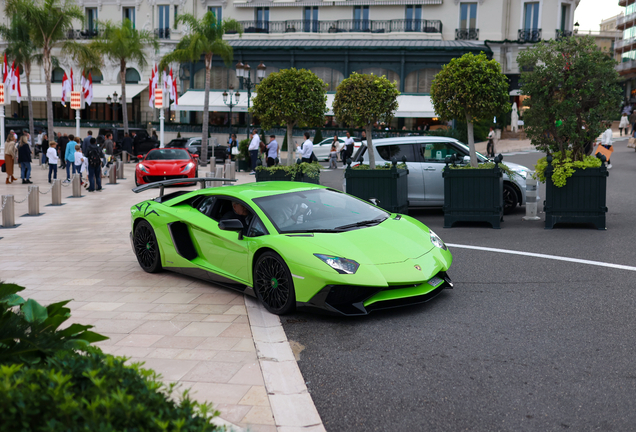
411	106
100	92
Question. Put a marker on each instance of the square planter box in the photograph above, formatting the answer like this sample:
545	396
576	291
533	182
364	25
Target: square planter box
582	199
473	195
390	187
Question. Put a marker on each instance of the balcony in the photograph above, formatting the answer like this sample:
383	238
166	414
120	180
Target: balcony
466	34
342	26
83	34
626	21
163	33
626	67
529	35
562	34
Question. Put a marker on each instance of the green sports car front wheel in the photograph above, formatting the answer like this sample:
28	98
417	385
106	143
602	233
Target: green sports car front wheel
146	247
273	284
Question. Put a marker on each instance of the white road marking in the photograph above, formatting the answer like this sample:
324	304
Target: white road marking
545	256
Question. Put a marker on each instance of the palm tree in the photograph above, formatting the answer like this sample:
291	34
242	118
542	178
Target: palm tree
123	43
205	38
49	22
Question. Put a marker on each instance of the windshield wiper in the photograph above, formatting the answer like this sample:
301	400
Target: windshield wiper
362	223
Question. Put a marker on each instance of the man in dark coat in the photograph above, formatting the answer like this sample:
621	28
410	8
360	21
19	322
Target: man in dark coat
95	156
61	144
127	144
86	142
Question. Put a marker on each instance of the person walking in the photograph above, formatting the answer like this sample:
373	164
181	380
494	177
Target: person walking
606	141
253	148
78	161
24	159
272	151
632	121
45	149
347	148
623	124
95	156
62	142
108	153
307	149
127	145
69	157
9	158
231	143
87	142
490	147
51	155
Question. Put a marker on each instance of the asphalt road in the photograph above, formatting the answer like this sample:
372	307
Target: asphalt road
520	344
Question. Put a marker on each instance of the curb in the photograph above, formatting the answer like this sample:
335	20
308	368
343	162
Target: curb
291	403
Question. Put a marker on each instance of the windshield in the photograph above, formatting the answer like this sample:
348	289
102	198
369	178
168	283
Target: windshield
168	154
320	210
467	150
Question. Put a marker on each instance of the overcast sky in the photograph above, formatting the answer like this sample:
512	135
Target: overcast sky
590	13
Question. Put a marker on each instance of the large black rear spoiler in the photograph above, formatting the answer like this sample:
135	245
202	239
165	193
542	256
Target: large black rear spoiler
161	184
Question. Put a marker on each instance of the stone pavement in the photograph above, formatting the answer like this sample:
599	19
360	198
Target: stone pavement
201	336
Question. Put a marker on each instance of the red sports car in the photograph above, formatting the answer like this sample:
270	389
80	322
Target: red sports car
166	164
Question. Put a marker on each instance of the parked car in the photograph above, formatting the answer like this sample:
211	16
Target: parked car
165	164
425	159
142	143
193	145
323	148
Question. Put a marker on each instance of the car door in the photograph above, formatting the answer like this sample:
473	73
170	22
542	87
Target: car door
433	155
415	181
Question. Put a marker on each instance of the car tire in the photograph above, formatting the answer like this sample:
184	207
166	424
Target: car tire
273	284
146	247
196	174
510	198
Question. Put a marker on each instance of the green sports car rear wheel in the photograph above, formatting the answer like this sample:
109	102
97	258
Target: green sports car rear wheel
273	284
146	247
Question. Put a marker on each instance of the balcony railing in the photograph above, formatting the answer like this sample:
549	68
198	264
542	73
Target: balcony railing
466	34
529	35
561	34
342	26
163	33
82	34
623	21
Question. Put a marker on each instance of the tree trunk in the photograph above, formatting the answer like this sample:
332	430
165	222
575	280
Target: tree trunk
124	107
27	72
206	111
291	148
46	51
369	131
471	141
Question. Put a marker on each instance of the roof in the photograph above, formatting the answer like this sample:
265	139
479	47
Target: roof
408	44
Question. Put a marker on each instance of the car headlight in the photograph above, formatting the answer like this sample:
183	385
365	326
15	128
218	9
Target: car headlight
339	264
521	171
143	168
188	167
437	241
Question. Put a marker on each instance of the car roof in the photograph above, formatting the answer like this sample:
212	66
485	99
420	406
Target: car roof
412	139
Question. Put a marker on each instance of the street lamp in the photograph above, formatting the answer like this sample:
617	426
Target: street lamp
113	101
231	100
245	78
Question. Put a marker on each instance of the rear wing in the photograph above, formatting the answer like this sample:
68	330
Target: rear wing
161	184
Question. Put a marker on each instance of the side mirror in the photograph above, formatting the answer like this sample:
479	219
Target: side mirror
374	201
466	159
140	157
232	225
196	156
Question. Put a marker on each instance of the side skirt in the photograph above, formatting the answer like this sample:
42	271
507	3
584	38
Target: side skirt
214	278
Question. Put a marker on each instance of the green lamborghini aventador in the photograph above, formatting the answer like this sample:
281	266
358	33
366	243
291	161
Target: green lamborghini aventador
292	245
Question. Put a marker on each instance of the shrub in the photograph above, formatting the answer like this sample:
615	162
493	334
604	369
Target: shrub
318	137
311	170
243	152
386	166
563	167
94	392
29	332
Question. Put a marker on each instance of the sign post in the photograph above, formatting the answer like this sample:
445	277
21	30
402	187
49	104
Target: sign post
76	104
2	102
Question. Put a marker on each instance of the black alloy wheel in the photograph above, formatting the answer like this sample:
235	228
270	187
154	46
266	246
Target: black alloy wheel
273	284
146	247
510	198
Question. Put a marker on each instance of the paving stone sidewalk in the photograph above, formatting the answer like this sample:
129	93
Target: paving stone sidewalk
190	331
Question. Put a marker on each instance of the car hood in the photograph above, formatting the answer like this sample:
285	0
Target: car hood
167	166
392	241
513	166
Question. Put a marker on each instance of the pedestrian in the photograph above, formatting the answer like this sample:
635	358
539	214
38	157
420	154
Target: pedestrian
127	144
45	148
333	157
253	150
606	141
108	153
347	149
9	158
87	142
24	159
154	137
307	149
51	155
69	157
231	143
95	156
61	143
363	137
272	151
78	161
490	147
624	124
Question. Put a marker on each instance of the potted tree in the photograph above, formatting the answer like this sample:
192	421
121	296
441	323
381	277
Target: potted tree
300	171
244	155
573	88
472	88
361	101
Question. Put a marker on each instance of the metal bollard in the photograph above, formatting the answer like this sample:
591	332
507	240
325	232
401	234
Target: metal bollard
120	169
56	193
212	163
531	199
8	213
208	183
227	172
34	200
77	186
125	157
112	174
219	174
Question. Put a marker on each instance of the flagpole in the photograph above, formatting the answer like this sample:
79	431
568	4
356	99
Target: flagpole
161	116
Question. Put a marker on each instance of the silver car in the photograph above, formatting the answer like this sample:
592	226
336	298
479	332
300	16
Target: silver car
425	159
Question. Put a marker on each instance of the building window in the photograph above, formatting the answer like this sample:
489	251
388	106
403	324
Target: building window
361	18
261	16
217	11
565	17
129	13
413	18
91	19
132	76
58	75
175	16
164	22
97	76
468	16
531	16
310	19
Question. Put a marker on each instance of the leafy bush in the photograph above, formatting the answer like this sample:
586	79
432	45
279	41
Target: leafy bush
318	137
94	392
386	166
311	170
284	146
29	331
243	149
487	165
563	167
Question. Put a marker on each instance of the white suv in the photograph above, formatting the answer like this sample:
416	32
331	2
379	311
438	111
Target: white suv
425	159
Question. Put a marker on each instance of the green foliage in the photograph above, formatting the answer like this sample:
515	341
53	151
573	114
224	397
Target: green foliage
487	165
386	166
573	87
563	167
284	146
123	43
318	137
480	130
94	392
30	332
243	149
311	170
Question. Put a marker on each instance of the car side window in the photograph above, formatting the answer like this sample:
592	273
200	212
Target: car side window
207	205
257	229
437	152
388	152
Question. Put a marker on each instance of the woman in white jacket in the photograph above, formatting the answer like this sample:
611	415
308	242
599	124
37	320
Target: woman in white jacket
624	124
